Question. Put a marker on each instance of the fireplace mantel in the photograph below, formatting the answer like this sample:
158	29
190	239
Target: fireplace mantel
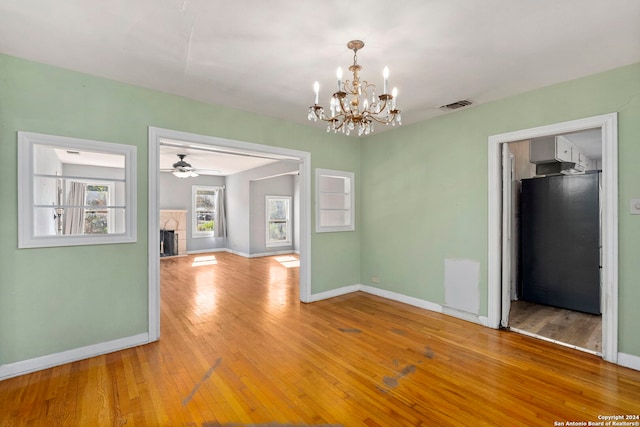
175	220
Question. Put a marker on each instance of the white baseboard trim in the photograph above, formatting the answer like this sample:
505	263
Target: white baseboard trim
464	315
334	293
484	321
416	302
206	251
242	254
258	255
286	252
50	360
629	361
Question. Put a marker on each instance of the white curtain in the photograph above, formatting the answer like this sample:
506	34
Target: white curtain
220	220
74	217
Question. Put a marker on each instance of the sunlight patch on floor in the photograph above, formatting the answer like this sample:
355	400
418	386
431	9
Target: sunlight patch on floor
199	261
288	261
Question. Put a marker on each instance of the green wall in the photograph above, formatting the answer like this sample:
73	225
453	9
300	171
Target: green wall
425	197
56	299
421	197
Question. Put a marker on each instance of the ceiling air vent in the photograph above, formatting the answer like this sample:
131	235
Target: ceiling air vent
455	105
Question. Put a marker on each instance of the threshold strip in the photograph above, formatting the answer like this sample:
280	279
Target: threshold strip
540	337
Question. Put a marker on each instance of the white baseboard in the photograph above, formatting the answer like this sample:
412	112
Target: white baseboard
206	251
258	255
464	315
416	302
43	362
484	321
629	361
334	293
242	254
32	365
287	252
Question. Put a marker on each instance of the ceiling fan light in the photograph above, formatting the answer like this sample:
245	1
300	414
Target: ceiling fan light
183	174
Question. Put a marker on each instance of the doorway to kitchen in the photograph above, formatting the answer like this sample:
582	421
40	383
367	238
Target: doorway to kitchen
505	281
552	215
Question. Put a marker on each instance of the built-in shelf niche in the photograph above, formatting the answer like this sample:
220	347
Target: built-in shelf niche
334	201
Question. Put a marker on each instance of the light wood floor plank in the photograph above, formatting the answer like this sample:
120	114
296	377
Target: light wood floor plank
238	348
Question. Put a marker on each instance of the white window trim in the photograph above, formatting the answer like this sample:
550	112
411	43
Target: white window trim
195	234
26	235
320	228
275	243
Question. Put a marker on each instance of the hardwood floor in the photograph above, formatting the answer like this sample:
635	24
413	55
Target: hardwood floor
582	330
238	349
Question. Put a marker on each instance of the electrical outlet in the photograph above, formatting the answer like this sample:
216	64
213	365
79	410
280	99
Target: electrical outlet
635	206
375	279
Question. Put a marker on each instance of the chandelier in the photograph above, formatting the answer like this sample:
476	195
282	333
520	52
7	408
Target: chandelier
354	107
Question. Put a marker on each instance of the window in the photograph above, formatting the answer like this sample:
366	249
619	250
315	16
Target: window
278	221
204	210
74	191
334	201
97	217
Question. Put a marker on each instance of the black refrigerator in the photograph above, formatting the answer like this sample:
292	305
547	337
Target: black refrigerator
560	242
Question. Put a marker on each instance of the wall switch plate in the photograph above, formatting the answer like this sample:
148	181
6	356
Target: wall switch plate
635	206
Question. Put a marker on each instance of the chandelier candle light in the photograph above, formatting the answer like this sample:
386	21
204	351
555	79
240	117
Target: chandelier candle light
350	108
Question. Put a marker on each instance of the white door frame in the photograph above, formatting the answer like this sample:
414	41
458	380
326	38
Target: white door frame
609	273
158	134
507	228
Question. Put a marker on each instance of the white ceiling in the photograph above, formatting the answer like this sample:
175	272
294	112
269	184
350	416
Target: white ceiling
209	161
264	56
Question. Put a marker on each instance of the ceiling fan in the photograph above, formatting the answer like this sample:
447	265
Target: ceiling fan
182	169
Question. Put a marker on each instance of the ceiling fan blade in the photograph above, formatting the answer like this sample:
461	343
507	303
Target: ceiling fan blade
207	171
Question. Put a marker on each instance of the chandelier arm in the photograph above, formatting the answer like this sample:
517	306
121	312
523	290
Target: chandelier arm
384	99
364	85
344	110
382	121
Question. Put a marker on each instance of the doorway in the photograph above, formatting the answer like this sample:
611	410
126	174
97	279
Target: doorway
499	273
157	137
552	224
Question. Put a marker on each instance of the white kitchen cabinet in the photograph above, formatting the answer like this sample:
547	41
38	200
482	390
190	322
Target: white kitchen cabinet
557	149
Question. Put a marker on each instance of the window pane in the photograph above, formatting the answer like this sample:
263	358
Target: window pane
96	222
278	209
97	195
204	200
278	231
204	221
